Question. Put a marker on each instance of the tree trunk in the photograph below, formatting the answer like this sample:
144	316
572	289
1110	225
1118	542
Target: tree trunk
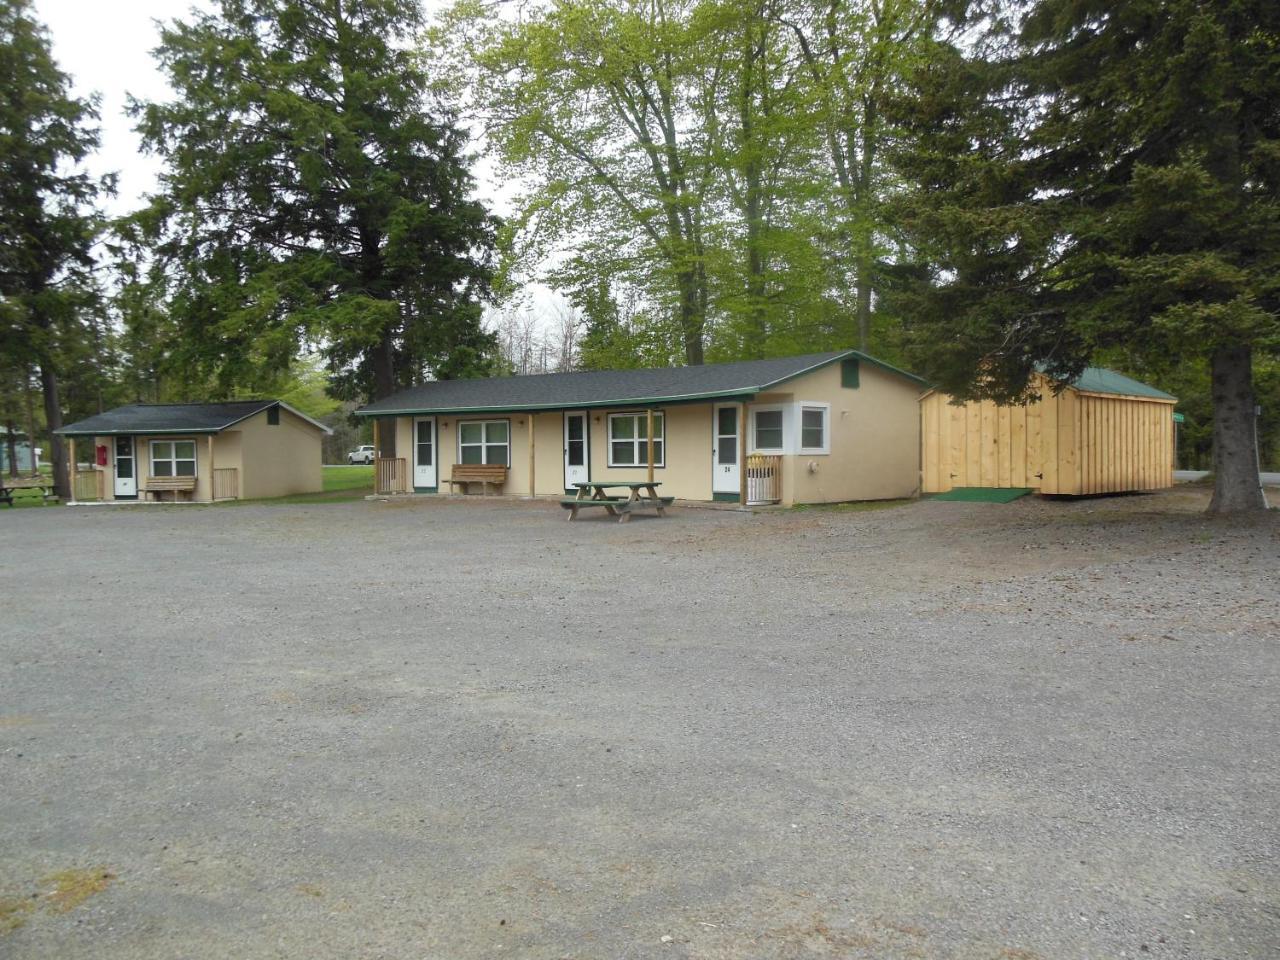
1236	485
53	421
31	424
384	384
692	318
863	223
12	444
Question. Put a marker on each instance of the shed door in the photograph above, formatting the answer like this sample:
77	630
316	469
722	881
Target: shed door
126	482
726	461
424	453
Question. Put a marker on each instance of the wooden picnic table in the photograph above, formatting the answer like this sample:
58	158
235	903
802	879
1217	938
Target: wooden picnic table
9	484
643	495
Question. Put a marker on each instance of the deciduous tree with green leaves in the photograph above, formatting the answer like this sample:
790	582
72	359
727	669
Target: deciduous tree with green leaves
48	222
314	193
1094	176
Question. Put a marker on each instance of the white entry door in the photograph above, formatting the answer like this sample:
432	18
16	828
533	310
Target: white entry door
126	484
577	467
726	468
424	453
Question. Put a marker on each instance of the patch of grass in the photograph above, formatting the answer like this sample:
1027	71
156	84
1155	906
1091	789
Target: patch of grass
30	498
73	887
64	891
357	477
853	506
13	912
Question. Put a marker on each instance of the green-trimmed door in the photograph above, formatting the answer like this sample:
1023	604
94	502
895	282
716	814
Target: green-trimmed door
725	460
126	472
577	467
425	475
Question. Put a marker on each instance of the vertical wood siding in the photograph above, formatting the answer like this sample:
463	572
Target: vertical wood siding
1071	443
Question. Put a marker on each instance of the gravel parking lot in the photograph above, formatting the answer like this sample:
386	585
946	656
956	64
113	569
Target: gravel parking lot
455	729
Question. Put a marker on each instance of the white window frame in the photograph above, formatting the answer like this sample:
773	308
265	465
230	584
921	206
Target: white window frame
641	444
173	459
825	409
485	443
780	408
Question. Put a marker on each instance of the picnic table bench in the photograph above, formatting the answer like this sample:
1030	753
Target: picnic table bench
595	494
485	473
174	485
9	484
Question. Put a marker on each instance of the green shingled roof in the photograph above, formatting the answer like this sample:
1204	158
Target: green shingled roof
1102	380
612	388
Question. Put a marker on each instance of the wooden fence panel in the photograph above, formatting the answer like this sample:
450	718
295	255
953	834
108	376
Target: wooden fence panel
226	483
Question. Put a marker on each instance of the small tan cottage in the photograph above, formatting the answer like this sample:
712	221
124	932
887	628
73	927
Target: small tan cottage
1104	433
824	427
196	451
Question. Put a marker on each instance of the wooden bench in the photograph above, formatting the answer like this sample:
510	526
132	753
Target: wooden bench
573	505
174	485
485	473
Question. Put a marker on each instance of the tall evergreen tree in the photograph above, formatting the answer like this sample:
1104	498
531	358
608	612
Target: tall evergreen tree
47	220
313	194
1102	175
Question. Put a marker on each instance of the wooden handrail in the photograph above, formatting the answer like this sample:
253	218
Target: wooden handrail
390	475
88	485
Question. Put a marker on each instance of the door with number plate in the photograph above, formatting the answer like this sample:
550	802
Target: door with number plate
424	453
726	466
577	467
126	474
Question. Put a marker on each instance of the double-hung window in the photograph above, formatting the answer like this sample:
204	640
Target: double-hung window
766	428
173	458
629	439
484	441
814	429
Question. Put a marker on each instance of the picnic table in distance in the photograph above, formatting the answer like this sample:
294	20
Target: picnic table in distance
9	484
643	495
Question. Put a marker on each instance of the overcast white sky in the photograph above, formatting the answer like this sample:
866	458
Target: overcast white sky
105	45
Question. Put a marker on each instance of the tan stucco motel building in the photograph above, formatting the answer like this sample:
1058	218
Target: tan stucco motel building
824	427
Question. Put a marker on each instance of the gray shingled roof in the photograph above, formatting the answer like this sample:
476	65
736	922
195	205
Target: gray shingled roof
599	388
142	418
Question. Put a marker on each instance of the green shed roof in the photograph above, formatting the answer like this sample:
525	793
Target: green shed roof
1102	380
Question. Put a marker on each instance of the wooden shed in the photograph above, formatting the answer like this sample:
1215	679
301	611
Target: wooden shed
1104	433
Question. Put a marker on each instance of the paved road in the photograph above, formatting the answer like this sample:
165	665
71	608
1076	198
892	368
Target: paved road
1188	476
450	730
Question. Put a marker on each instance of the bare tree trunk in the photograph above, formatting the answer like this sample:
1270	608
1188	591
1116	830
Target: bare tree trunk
1237	487
864	229
31	424
384	384
53	421
12	444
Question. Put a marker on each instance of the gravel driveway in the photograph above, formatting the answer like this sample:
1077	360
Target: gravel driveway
460	730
